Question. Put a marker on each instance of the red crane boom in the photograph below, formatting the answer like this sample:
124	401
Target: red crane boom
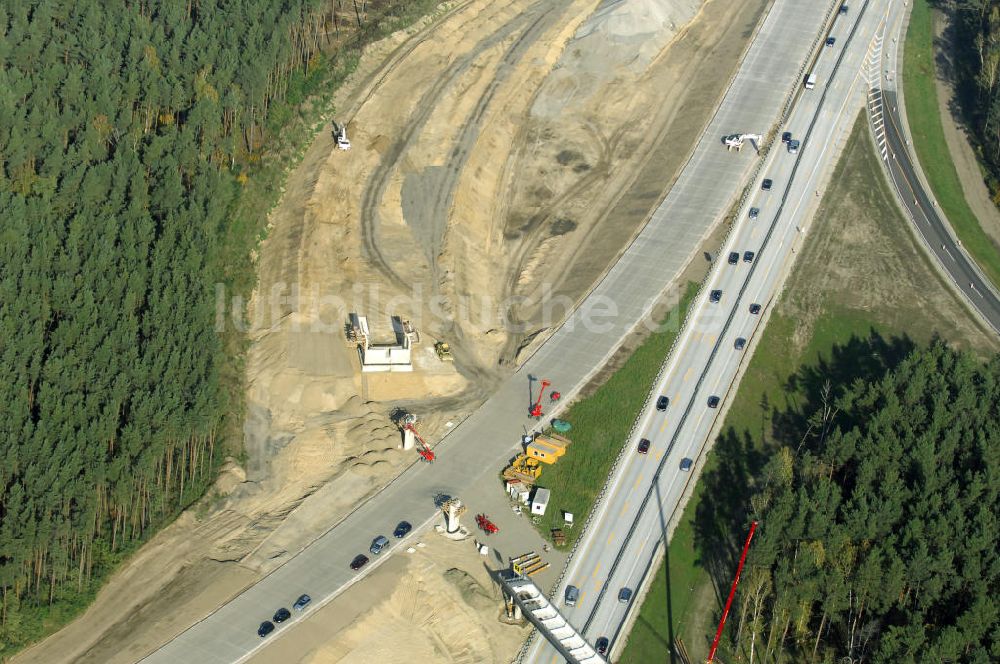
425	450
732	593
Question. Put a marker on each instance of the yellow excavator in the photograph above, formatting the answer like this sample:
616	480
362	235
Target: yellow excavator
443	352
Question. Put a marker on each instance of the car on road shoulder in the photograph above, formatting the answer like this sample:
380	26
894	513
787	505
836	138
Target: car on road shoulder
624	595
281	615
662	403
601	645
571	595
740	343
734	257
767	184
402	529
686	464
715	296
843	9
748	257
786	136
755	308
713	401
378	544
830	41
754	213
265	628
301	602
359	561
644	446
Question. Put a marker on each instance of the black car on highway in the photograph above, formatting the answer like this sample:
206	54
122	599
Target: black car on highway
755	308
265	628
740	343
602	645
748	257
734	257
643	445
754	212
281	615
830	41
713	401
359	561
767	184
715	296
786	136
301	602
662	403
402	529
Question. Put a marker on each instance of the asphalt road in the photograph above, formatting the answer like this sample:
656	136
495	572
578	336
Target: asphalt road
620	547
478	447
929	223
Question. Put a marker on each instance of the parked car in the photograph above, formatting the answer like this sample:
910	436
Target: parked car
281	615
767	184
686	464
265	628
734	257
662	403
748	257
402	529
359	561
786	136
830	41
624	595
378	544
301	602
644	445
572	594
715	296
602	645
740	343
713	401
755	308
754	212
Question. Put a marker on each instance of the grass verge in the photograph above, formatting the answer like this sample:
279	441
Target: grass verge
601	423
860	277
923	116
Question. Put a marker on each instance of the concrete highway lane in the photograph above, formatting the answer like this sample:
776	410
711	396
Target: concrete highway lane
928	221
620	548
478	447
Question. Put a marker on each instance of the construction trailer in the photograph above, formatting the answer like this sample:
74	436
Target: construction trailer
540	501
547	448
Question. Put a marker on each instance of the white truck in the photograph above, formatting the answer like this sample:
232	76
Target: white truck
810	81
340	133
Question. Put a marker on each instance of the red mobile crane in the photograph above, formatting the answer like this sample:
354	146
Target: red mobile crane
425	450
536	409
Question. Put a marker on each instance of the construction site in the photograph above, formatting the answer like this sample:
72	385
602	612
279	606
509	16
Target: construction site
493	152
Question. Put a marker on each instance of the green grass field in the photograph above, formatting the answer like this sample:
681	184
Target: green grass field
860	271
601	423
928	139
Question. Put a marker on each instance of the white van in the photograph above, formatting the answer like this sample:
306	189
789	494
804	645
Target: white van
810	81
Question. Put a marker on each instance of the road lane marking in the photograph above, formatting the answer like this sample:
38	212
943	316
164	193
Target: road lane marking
610	537
596	570
664	426
637	480
687	374
624	507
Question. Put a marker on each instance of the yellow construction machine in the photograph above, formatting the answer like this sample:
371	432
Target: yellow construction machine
524	468
443	352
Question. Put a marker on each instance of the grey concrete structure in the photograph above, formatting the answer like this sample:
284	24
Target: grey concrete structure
479	446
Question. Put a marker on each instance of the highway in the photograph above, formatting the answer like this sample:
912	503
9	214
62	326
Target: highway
622	545
476	449
900	163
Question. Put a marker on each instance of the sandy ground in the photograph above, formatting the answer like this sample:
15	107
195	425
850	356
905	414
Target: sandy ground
502	149
955	135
